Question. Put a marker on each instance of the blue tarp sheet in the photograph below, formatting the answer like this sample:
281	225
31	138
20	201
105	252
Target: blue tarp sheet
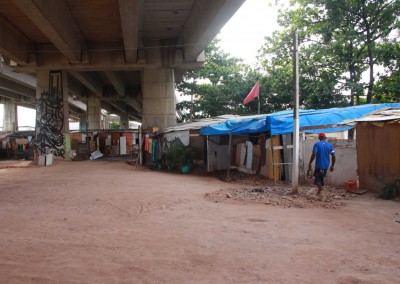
282	122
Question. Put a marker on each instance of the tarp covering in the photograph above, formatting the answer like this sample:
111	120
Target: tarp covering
198	124
282	122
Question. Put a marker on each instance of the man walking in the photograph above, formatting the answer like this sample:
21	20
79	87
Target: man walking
321	152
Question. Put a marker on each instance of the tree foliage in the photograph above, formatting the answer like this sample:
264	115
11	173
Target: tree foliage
387	89
340	40
219	88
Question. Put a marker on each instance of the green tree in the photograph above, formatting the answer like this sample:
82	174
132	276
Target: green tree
340	39
387	88
319	75
115	125
219	88
368	22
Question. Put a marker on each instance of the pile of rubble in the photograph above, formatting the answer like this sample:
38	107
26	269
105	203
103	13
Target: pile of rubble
281	195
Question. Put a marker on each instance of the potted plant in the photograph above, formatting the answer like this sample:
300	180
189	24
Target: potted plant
178	155
160	164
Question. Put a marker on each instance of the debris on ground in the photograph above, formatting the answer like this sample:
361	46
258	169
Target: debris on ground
281	195
247	188
95	155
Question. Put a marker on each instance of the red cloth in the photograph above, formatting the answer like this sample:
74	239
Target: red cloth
146	144
254	93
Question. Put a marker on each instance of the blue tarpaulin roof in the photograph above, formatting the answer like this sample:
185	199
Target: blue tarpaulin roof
282	122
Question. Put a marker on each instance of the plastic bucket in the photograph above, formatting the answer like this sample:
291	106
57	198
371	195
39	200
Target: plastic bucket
185	169
350	185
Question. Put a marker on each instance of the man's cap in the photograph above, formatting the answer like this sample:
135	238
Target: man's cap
322	135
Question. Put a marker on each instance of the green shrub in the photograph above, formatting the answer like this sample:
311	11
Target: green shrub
391	190
178	154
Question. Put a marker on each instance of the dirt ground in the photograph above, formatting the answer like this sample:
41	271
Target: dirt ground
109	222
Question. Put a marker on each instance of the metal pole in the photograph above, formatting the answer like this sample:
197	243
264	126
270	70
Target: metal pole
296	124
140	146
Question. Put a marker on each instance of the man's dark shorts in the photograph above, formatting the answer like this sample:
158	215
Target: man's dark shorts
319	175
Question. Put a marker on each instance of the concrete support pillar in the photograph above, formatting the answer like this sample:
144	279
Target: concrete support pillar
65	91
82	122
67	137
107	121
124	121
94	113
10	116
158	88
56	83
60	81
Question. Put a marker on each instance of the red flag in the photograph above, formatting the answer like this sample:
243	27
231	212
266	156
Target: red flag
254	93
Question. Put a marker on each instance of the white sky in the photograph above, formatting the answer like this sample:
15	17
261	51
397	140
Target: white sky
244	34
26	116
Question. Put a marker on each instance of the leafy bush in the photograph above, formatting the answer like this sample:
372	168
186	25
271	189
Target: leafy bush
390	191
178	154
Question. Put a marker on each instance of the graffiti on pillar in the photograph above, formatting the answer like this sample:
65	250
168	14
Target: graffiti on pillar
50	119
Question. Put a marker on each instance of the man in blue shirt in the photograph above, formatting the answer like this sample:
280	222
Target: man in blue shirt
321	151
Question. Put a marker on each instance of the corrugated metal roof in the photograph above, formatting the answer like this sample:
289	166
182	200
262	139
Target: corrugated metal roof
383	115
198	124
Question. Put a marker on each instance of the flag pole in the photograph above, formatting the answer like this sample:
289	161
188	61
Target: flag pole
258	81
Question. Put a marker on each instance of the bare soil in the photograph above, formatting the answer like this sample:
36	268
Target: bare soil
109	222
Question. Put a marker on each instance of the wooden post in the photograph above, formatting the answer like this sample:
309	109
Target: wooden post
273	158
229	157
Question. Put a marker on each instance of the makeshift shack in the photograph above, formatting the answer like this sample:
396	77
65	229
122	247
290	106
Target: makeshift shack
272	133
107	141
378	149
189	134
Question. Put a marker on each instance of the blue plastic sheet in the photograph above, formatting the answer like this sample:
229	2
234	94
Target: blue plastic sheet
282	122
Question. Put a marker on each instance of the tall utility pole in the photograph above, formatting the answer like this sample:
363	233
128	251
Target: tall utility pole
191	107
296	124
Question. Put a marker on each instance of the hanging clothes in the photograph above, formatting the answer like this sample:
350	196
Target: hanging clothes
146	143
150	145
154	151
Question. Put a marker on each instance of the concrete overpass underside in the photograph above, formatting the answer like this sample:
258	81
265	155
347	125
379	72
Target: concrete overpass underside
121	55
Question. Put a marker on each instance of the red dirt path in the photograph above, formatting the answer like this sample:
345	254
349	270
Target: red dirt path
108	222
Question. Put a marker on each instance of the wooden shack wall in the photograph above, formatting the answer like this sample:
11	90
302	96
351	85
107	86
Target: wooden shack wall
378	152
196	142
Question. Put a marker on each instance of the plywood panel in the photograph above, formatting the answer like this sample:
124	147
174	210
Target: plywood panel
378	151
197	145
273	171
